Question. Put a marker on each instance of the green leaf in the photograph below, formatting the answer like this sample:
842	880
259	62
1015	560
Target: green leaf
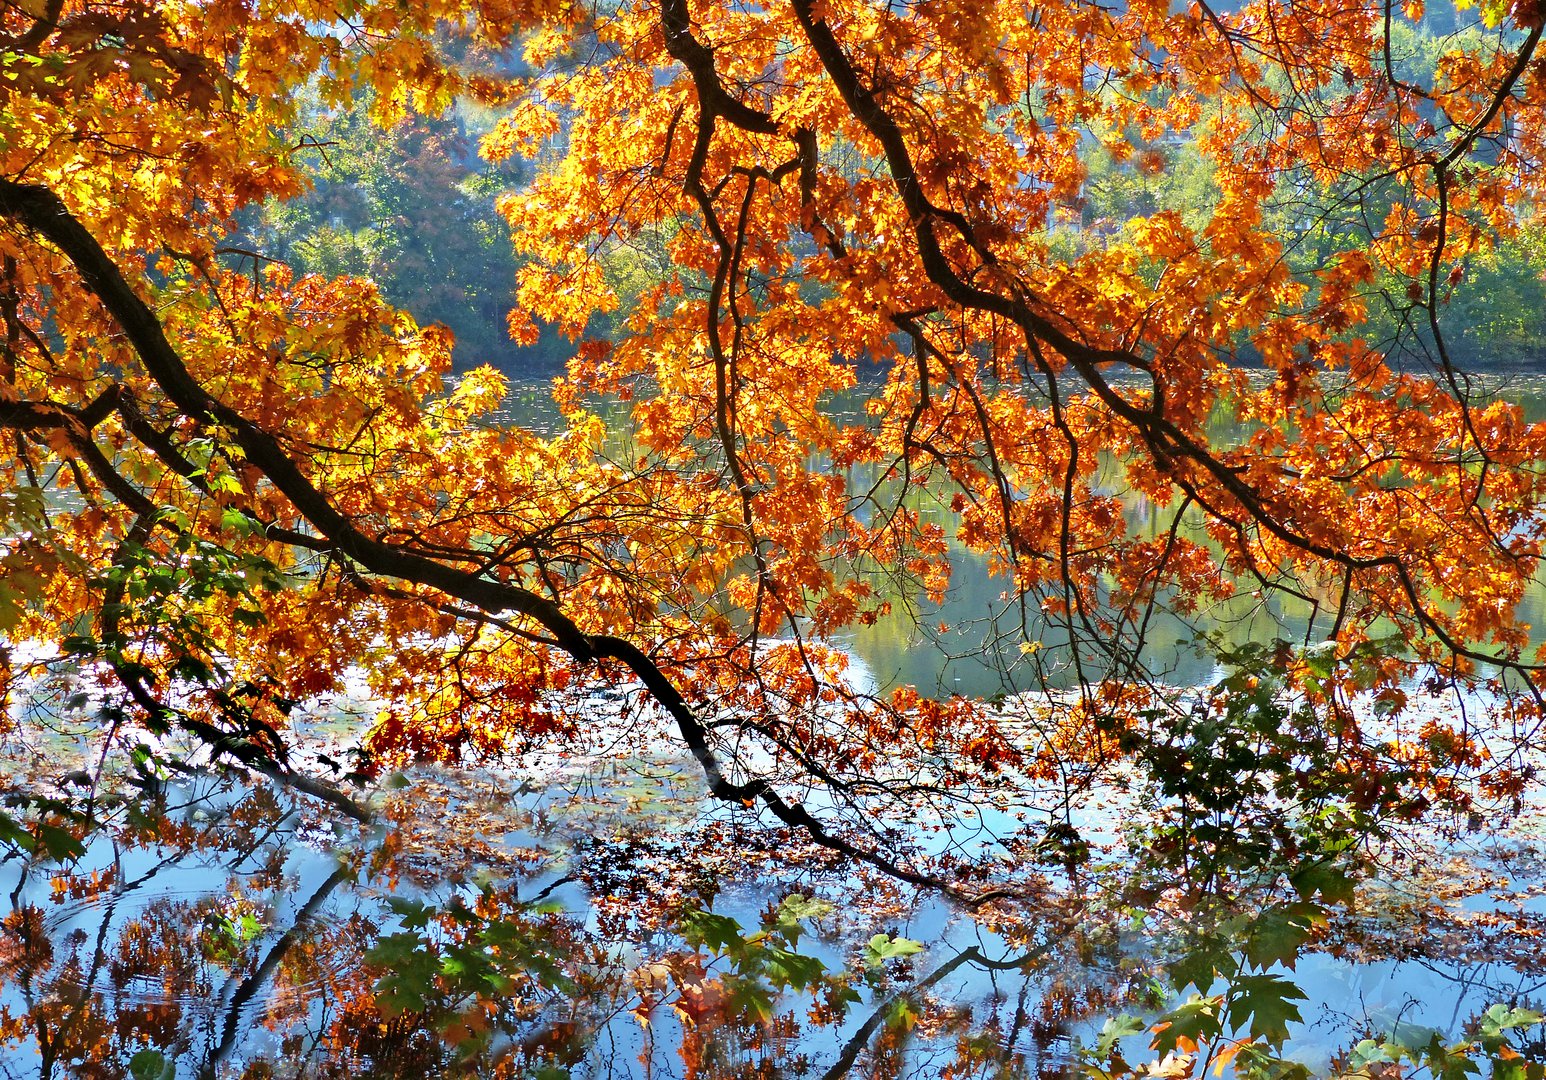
786	968
1278	934
750	999
718	932
1201	964
1452	1063
883	947
1321	658
58	843
413	914
1515	1068
1113	1031
1268	1001
1331	881
152	1065
1492	1035
1501	1018
1196	1019
1368	1052
843	995
902	1014
13	833
796	908
1255	1063
224	484
235	521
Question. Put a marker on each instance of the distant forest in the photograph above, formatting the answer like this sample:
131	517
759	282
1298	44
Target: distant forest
414	209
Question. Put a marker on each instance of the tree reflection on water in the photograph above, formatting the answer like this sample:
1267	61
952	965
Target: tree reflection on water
622	929
231	933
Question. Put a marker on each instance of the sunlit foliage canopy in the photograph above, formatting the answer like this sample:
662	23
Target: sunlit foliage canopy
227	486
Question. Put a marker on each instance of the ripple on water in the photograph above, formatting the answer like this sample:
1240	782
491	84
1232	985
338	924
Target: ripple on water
188	936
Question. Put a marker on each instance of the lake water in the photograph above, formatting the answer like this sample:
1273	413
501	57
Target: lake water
525	919
238	943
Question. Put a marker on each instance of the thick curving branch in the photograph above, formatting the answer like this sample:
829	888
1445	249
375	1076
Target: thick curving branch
43	213
1165	441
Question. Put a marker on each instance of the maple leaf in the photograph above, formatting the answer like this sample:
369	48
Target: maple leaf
1187	1026
1264	1005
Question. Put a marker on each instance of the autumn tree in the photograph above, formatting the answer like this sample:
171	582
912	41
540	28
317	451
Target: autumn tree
412	208
228	483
